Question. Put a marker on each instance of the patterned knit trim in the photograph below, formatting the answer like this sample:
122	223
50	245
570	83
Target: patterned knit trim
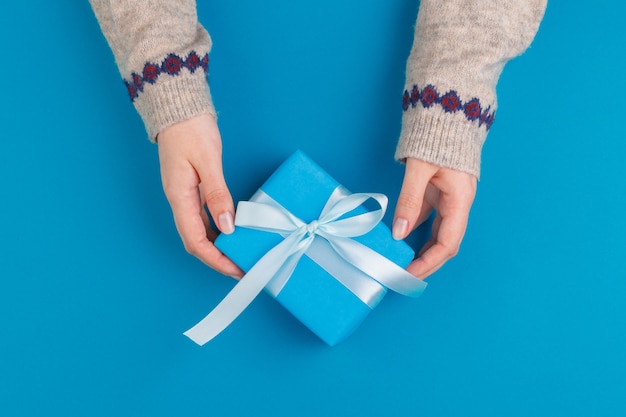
450	103
171	65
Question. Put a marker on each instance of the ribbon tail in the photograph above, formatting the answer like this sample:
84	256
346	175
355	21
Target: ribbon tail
377	266
245	291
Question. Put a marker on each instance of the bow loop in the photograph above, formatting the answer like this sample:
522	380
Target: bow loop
346	204
266	217
337	220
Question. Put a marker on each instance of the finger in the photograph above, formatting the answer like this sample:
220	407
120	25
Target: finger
215	194
447	234
192	228
433	236
202	248
431	197
410	202
220	204
425	212
210	233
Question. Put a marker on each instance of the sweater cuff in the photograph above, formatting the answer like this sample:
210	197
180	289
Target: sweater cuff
172	99
448	140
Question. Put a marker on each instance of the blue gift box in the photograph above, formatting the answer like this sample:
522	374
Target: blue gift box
319	296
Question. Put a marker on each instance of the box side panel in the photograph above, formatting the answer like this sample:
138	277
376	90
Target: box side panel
323	304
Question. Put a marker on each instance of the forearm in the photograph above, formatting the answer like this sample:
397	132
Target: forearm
162	54
459	50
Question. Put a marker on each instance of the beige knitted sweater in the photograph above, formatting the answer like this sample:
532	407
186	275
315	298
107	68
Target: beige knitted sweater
449	103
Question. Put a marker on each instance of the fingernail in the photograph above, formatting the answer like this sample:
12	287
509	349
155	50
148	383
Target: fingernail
226	223
399	229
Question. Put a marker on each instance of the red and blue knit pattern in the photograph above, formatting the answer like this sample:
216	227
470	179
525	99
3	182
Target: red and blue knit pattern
171	65
450	102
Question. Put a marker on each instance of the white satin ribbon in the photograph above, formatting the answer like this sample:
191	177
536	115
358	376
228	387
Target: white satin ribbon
333	226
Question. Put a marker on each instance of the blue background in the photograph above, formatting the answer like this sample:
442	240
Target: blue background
96	289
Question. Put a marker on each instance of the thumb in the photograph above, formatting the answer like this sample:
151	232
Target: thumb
411	203
208	164
216	196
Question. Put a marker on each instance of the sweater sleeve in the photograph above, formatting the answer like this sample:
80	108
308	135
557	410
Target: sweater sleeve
459	50
162	54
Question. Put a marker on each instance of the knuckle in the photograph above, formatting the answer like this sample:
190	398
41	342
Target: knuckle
409	202
216	195
192	248
450	250
168	189
174	194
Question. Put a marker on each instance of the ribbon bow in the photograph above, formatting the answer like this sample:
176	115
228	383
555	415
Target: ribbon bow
334	225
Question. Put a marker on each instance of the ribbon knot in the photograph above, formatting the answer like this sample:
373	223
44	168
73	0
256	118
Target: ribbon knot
311	228
338	222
